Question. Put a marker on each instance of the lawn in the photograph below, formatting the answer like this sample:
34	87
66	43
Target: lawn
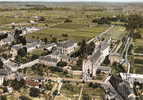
38	52
70	89
138	64
70	26
117	32
9	20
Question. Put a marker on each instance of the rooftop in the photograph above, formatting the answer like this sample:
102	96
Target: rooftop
49	59
66	44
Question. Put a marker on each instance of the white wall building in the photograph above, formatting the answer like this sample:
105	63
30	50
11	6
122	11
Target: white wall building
90	65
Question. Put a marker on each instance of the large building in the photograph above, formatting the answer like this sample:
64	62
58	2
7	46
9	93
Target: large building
122	87
67	47
132	77
30	47
92	62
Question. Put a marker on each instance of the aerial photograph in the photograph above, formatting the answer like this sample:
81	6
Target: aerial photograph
71	49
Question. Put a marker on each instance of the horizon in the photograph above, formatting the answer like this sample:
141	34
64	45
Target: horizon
106	1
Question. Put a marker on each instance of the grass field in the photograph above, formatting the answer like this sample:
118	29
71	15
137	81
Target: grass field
117	32
138	60
75	33
138	64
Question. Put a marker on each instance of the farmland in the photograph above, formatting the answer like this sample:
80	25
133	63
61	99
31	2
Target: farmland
71	31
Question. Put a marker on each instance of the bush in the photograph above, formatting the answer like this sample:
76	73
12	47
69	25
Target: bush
61	63
68	21
18	84
3	98
24	98
34	92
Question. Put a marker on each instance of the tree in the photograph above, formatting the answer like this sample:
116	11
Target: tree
3	36
3	97
24	98
54	39
1	64
61	63
86	97
22	52
94	85
133	24
102	20
6	83
55	93
90	48
22	40
41	18
34	92
17	84
65	35
79	63
17	33
45	40
48	86
82	49
34	56
67	21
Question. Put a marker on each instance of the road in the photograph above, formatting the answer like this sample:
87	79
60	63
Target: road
80	95
57	79
74	80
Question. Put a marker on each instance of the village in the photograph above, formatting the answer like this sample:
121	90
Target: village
68	67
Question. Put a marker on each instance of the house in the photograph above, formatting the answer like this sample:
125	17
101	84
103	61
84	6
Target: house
27	30
49	47
67	47
122	87
8	40
12	65
30	47
132	77
4	72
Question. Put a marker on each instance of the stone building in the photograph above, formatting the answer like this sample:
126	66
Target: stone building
92	62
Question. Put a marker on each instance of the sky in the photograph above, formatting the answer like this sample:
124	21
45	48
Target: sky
79	0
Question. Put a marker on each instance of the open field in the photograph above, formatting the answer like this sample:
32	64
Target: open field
138	60
117	32
75	34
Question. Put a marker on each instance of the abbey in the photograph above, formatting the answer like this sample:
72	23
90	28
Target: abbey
93	62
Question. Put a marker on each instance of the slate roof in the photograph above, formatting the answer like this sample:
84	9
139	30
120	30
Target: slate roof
104	45
96	55
49	45
66	44
49	59
10	38
5	70
28	45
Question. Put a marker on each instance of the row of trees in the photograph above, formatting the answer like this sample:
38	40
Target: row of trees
3	36
134	23
84	50
18	38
